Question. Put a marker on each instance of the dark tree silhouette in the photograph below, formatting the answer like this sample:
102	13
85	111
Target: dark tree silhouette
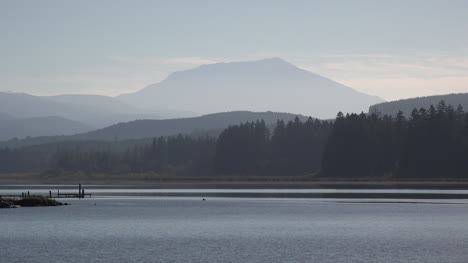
432	143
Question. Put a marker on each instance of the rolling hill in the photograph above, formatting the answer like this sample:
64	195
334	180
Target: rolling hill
39	126
152	128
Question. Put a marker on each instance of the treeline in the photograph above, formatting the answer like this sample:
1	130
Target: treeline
177	155
292	148
22	160
431	143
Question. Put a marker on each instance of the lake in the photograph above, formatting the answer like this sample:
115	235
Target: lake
187	229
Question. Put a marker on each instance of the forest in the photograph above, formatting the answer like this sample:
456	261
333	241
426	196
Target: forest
431	143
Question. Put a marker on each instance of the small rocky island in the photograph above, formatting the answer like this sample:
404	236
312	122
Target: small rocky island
30	201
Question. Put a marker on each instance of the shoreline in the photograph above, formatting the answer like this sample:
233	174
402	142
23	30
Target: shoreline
238	185
142	181
294	190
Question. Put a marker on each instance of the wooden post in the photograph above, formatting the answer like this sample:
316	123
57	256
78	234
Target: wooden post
50	194
28	193
58	193
82	192
79	191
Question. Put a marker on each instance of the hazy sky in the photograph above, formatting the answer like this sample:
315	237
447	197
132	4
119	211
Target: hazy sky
393	49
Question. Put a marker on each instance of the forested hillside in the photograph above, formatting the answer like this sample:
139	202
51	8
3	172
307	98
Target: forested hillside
211	124
294	148
431	143
407	105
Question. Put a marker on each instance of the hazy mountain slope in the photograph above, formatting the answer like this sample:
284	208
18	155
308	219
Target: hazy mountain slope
407	105
208	124
21	105
39	126
269	84
102	103
95	111
122	111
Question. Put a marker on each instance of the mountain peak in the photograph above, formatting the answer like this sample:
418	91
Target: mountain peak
272	66
275	60
265	61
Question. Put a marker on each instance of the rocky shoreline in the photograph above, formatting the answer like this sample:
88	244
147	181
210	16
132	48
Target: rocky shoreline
7	204
30	201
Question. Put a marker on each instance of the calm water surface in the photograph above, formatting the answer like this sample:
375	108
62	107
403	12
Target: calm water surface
234	230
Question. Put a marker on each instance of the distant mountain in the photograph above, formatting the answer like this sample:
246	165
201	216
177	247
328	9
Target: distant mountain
21	105
39	126
407	105
207	124
97	102
122	111
92	110
269	84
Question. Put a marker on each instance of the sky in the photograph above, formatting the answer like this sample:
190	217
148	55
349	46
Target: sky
392	49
